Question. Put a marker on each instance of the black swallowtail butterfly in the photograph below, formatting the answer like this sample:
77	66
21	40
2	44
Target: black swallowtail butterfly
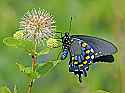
85	50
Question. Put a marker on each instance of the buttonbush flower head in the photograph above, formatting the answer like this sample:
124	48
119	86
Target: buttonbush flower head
51	43
18	35
38	25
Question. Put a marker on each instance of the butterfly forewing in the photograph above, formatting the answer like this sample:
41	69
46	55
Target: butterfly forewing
100	46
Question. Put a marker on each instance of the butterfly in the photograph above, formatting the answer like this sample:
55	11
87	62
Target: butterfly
85	50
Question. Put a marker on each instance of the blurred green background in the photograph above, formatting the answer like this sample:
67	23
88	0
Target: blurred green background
101	18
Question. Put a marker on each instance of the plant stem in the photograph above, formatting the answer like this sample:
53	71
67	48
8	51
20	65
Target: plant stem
34	61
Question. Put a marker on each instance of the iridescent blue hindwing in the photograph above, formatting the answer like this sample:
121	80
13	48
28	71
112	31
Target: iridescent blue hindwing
82	56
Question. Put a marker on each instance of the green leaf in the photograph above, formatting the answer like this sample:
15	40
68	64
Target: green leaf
4	89
41	69
28	71
12	42
25	44
21	67
44	51
101	91
9	41
44	68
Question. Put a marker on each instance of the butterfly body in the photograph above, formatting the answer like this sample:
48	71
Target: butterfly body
85	50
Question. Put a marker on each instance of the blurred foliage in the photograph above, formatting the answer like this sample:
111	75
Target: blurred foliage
5	89
101	18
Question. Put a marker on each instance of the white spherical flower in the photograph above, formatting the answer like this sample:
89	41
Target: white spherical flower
38	25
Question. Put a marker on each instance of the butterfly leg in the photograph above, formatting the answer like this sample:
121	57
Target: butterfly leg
80	78
85	69
85	72
79	73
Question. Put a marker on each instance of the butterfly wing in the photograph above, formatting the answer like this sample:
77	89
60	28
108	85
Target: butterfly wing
81	56
100	46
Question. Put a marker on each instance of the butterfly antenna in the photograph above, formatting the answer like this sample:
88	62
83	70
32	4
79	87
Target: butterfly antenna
58	56
70	24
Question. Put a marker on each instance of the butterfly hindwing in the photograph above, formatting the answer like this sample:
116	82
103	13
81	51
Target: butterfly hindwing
107	58
81	56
